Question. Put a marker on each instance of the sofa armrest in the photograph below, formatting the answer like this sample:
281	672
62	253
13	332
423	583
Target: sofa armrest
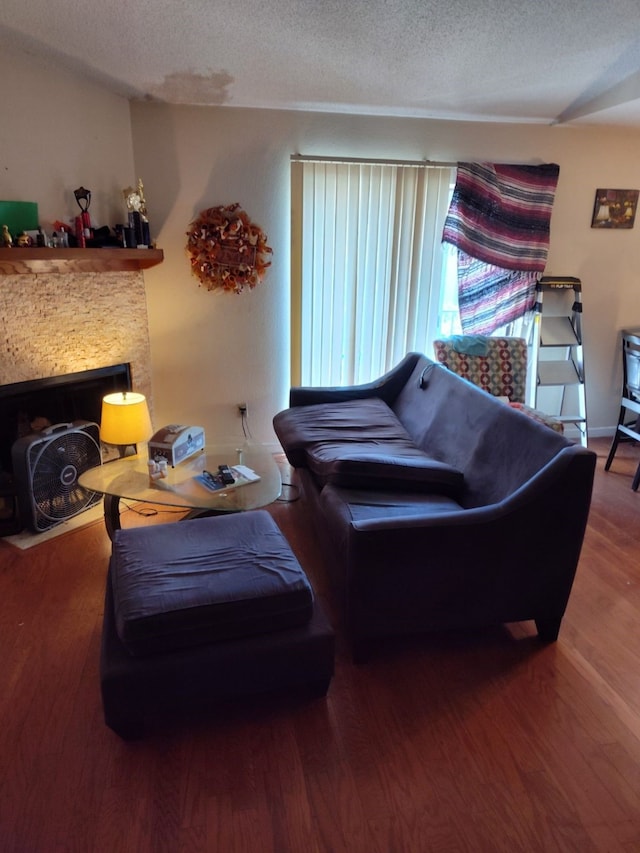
510	562
561	490
539	528
386	387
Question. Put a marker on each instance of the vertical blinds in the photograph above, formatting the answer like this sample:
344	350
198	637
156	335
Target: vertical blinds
367	265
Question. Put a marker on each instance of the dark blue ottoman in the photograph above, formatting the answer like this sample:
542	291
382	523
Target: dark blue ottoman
206	609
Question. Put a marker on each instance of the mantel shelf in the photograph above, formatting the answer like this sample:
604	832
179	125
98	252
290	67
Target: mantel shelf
29	261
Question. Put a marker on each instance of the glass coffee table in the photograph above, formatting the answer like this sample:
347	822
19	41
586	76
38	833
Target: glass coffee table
128	479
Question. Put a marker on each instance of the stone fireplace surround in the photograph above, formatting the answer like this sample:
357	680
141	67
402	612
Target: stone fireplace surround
57	324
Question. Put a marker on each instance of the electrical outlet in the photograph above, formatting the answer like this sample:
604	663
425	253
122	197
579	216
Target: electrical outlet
242	409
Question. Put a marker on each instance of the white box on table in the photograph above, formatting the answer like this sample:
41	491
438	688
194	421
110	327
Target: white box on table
175	443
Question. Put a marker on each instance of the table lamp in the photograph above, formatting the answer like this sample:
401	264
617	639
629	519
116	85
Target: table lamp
125	419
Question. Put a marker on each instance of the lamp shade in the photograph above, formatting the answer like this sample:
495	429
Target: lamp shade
125	418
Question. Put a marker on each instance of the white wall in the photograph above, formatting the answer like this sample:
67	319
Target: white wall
58	133
211	351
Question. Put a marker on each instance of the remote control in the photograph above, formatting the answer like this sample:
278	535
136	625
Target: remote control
225	474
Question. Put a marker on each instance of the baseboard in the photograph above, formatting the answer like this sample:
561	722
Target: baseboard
28	539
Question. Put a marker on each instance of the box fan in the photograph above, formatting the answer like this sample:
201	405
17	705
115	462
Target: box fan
46	467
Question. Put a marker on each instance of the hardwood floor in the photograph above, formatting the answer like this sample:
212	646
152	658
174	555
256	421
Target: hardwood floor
484	741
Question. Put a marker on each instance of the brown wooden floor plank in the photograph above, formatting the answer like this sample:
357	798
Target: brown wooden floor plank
469	741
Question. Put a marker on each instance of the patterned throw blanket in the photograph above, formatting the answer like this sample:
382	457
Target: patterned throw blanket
499	220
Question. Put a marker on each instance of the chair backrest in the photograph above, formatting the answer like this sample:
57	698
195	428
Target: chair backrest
498	365
631	364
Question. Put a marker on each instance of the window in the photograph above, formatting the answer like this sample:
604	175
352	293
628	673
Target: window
368	267
448	315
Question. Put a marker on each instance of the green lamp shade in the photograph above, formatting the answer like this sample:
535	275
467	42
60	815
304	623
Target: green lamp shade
19	216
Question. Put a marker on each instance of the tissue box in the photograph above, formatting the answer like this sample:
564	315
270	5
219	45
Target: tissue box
175	443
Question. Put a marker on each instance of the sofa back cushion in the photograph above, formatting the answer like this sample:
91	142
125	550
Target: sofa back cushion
367	421
396	468
496	447
361	444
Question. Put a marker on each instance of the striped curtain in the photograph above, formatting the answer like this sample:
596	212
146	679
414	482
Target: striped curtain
367	264
499	220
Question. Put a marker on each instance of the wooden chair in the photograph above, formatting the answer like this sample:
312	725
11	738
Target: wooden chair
628	426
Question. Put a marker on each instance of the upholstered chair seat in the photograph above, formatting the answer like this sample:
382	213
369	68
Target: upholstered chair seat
497	365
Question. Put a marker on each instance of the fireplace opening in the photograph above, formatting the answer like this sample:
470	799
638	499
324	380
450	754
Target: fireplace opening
29	407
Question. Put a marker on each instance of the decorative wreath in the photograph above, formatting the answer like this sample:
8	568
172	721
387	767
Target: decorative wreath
228	251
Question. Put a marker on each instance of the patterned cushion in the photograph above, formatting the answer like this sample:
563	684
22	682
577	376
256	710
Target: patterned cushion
539	416
502	371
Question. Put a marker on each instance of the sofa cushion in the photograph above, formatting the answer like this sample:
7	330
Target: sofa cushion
208	579
409	470
361	444
344	507
357	423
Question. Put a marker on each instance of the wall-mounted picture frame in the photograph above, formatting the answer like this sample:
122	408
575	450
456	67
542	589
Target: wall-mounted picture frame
614	208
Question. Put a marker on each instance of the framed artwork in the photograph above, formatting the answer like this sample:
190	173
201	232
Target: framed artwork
614	208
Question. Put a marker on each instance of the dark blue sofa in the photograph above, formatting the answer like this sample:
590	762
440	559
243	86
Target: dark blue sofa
442	507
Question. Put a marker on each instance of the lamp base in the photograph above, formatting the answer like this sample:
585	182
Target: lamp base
127	450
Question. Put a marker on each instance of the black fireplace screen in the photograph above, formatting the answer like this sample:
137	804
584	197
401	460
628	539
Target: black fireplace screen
29	407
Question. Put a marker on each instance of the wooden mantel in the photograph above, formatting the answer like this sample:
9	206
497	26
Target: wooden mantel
28	261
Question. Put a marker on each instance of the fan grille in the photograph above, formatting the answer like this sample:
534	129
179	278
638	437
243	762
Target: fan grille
56	466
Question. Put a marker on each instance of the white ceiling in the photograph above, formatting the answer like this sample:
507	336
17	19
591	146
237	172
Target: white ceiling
538	61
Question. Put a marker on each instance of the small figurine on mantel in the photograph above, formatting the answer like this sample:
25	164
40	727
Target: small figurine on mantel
83	222
137	213
7	239
135	199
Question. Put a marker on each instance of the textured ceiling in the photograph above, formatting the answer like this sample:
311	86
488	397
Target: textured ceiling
500	60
